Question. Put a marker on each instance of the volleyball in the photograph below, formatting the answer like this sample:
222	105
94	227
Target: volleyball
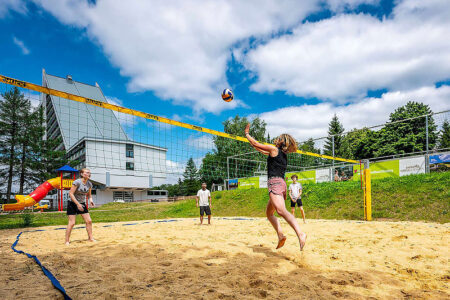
227	95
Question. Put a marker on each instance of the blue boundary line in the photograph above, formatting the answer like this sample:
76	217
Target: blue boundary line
47	273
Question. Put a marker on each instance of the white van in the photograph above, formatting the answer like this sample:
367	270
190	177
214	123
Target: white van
44	202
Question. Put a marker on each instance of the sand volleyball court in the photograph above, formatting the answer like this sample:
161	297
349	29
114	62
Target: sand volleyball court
232	259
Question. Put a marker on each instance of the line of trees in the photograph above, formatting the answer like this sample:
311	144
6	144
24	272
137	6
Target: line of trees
26	158
392	139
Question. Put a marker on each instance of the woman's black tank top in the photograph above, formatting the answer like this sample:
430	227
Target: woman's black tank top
276	166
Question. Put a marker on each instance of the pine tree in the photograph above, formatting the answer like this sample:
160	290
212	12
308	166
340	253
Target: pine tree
444	141
335	129
24	141
13	110
191	181
45	158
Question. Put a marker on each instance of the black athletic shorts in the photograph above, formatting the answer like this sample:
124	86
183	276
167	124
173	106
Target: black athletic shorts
72	209
205	209
298	202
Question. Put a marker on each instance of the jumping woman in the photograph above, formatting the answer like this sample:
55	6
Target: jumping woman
80	190
276	168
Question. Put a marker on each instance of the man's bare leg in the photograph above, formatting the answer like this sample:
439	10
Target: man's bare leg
201	220
303	214
209	219
279	205
293	211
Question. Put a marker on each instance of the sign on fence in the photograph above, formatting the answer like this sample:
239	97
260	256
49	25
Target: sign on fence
415	165
248	183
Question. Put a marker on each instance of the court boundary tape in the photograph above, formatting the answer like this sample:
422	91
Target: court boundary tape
46	272
49	274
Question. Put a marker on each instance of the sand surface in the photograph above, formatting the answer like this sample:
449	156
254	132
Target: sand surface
232	259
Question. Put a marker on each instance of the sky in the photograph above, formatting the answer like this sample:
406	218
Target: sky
292	63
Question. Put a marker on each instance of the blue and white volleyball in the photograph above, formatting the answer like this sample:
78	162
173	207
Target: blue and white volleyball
227	95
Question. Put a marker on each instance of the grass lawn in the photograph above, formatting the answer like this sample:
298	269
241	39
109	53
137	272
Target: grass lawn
424	197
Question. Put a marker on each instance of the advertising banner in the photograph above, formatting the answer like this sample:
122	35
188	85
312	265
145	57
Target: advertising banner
440	162
379	170
303	177
414	165
323	175
263	181
440	159
248	183
232	184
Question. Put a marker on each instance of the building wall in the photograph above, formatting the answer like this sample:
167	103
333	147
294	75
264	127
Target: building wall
108	157
100	197
107	196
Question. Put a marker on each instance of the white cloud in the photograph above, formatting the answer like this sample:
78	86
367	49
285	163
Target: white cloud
174	171
339	5
35	98
6	6
21	45
308	121
179	49
126	120
204	142
343	57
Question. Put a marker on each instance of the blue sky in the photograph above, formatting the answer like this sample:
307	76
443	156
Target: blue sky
293	63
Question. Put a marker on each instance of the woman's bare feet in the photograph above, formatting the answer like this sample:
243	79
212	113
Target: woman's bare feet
302	239
67	243
281	242
92	240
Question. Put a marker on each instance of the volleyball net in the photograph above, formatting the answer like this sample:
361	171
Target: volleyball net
97	132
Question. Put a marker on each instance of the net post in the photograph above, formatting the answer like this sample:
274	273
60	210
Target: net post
367	192
228	168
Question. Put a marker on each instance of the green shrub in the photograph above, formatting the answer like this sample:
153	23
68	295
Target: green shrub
27	219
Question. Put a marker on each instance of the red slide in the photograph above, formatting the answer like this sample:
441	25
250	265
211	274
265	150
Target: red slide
36	196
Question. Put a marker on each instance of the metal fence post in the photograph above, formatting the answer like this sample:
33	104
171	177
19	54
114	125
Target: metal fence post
228	168
332	148
426	132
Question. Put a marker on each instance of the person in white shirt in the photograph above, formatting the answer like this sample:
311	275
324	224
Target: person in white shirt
204	201
295	192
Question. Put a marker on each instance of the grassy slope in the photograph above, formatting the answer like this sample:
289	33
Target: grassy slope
415	197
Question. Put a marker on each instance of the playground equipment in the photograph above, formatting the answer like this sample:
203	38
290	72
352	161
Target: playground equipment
65	184
41	191
36	196
41	207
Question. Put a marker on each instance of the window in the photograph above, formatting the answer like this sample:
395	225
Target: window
129	166
157	193
130	150
123	196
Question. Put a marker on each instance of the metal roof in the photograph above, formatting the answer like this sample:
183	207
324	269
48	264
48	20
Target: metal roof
67	168
77	120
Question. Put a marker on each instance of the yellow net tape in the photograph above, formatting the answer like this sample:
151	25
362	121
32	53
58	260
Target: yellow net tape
41	89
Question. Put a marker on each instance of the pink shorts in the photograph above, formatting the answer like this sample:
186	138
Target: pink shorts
277	186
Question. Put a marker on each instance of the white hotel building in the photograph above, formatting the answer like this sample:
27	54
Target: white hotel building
122	169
